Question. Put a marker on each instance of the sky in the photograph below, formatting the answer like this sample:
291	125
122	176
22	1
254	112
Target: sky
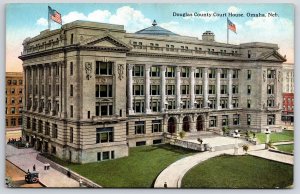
27	20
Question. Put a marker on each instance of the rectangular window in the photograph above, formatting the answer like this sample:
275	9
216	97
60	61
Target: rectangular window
138	71
223	89
28	123
103	91
270	89
224	120
154	90
54	130
248	119
104	68
236	119
235	74
211	89
138	106
211	73
98	156
271	74
223	73
170	90
155	106
185	89
71	90
71	68
71	134
224	103
271	119
185	72
139	127
248	74
47	128
12	110
104	109
235	89
212	121
271	102
198	89
156	126
199	103
40	126
170	72
171	104
249	89
138	90
72	39
57	90
71	111
248	103
235	103
13	122
212	103
104	135
155	71
198	72
20	121
105	155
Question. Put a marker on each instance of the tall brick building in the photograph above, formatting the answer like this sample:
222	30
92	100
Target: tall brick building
13	100
92	90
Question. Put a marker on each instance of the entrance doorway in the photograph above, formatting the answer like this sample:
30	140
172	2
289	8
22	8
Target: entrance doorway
186	124
171	125
199	123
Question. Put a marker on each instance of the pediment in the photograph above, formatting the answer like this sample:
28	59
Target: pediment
105	40
272	56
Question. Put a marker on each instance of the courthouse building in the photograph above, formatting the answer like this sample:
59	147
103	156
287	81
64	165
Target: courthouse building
92	90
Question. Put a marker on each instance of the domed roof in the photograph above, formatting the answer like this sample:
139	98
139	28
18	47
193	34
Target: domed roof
156	30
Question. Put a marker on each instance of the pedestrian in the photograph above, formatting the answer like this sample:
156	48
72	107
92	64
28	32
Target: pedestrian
80	182
28	171
33	167
69	173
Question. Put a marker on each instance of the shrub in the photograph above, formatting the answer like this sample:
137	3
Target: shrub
245	148
182	134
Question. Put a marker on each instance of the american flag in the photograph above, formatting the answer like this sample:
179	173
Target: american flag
54	15
231	26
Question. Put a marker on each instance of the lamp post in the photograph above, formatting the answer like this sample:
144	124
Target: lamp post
236	135
267	132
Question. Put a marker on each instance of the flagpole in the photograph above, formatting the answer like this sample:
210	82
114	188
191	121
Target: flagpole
227	32
49	21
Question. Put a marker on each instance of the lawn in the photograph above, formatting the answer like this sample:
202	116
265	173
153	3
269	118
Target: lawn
286	148
139	169
276	137
239	172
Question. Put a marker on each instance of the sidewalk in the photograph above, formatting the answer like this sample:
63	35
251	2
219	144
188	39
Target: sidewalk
173	174
283	143
26	158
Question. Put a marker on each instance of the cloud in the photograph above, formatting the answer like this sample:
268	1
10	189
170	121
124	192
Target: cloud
42	22
233	9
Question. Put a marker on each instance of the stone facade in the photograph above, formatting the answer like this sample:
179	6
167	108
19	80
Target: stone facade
93	90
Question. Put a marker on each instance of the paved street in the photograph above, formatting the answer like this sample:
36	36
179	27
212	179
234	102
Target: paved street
26	158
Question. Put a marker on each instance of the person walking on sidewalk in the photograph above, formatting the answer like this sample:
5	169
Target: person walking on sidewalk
33	167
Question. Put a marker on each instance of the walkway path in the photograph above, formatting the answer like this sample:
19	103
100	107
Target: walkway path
284	158
26	158
174	173
283	143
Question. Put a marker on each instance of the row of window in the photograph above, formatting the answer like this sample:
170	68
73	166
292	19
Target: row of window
13	122
155	106
13	100
37	125
13	91
14	82
13	110
138	90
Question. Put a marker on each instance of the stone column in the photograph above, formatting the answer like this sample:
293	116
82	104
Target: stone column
129	92
38	87
53	87
163	88
192	88
25	92
147	88
205	87
230	89
45	88
218	83
178	84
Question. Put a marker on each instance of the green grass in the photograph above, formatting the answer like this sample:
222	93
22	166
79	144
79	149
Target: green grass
139	169
239	172
286	148
276	137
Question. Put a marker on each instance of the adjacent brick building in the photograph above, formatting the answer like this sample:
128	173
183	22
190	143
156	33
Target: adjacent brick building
13	100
